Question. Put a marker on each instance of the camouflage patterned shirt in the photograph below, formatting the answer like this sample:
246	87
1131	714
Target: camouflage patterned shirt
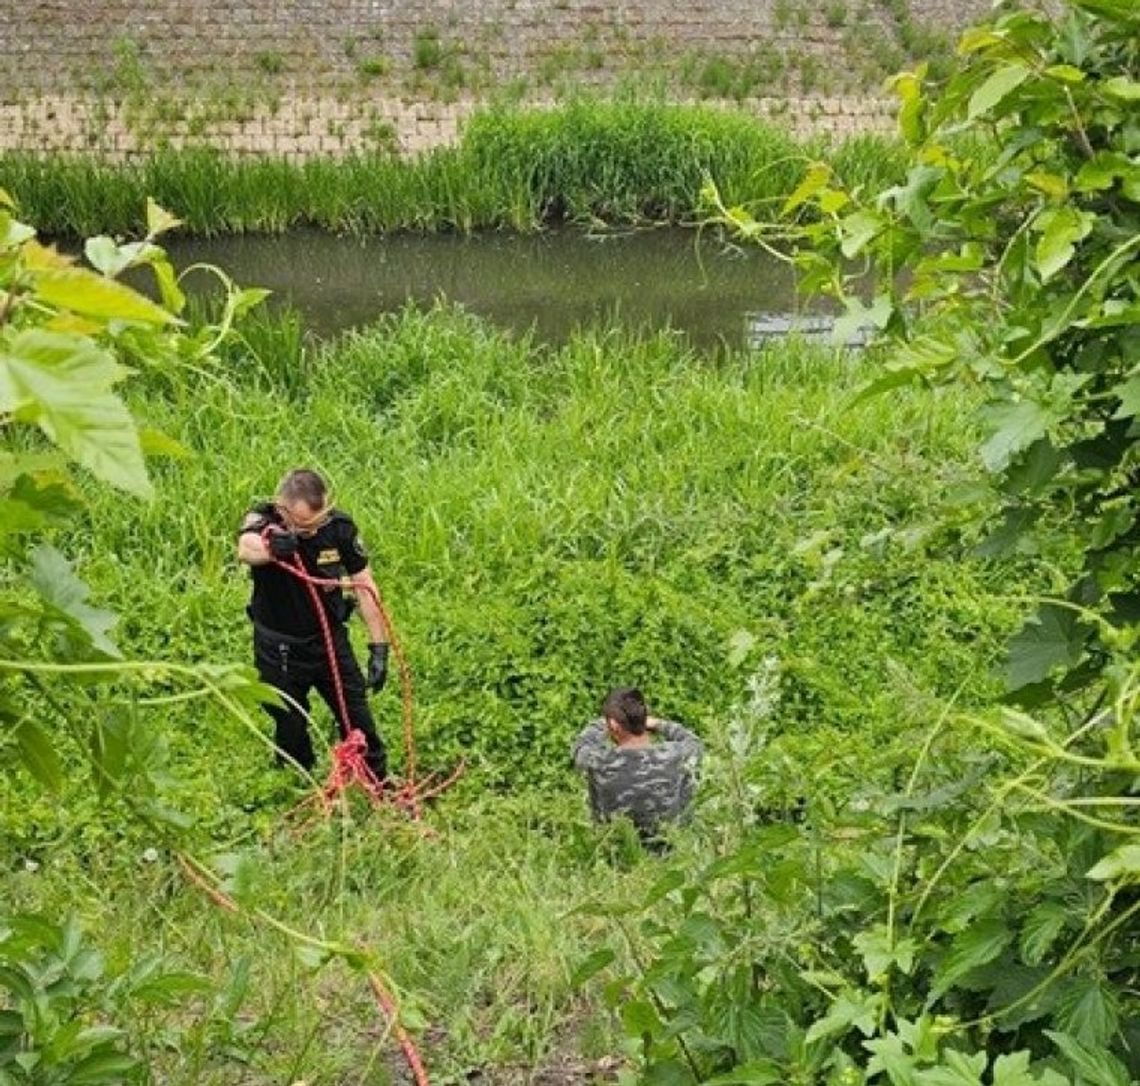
651	785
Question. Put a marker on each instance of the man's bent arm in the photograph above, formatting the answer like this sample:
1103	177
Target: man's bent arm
366	592
591	745
673	732
251	548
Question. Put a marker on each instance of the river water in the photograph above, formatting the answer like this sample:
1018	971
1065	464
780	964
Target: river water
551	282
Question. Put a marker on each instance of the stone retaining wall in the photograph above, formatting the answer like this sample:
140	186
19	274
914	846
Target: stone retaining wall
304	127
56	45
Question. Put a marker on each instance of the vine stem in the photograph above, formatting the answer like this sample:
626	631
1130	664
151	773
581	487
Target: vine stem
1062	321
1078	948
900	834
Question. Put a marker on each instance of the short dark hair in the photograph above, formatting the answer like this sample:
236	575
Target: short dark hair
304	485
626	706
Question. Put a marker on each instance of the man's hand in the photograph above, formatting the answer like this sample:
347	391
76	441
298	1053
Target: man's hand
377	667
282	544
651	723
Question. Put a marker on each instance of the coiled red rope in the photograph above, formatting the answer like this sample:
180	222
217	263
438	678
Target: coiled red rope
349	765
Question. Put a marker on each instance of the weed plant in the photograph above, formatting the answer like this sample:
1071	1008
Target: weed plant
618	162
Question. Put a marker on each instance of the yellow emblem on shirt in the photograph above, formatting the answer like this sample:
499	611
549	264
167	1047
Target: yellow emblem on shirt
328	557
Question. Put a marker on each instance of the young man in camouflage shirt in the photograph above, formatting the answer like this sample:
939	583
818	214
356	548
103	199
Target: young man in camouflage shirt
636	765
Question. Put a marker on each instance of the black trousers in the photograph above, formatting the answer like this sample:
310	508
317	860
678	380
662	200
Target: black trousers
295	667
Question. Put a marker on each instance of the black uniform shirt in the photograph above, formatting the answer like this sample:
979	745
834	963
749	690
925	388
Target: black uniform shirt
280	601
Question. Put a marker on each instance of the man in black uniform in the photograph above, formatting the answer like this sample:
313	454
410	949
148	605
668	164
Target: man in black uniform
288	645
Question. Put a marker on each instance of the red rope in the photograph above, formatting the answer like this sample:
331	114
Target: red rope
349	762
388	1006
383	997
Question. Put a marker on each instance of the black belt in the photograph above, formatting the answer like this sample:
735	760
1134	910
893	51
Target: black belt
291	639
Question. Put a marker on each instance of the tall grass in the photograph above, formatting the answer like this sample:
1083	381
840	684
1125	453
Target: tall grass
547	523
618	162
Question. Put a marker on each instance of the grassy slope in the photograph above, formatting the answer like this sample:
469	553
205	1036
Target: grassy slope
545	523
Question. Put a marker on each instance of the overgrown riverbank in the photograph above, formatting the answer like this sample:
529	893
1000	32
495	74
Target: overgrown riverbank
545	523
614	162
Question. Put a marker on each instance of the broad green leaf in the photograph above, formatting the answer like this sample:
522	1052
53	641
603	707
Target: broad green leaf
92	295
106	256
97	1035
101	1068
45	497
1013	1070
39	755
1096	1066
1066	73
857	230
913	198
975	38
1116	519
1052	638
1120	86
978	945
858	1009
38	258
155	443
13	233
880	951
172	296
1061	228
592	965
171	988
860	317
1012	426
158	219
59	587
1034	468
889	1056
1120	863
1129	395
816	177
62	383
666	1073
1051	184
912	105
1044	923
995	88
754	1073
956	1069
832	200
1102	171
248	298
639	1018
1088	1010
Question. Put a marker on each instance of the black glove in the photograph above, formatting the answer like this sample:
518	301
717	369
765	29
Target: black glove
377	667
283	544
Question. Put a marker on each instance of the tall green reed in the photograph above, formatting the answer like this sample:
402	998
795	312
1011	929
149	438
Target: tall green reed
590	161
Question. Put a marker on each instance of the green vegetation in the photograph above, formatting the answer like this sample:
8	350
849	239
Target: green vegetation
913	859
617	162
270	61
543	522
981	925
